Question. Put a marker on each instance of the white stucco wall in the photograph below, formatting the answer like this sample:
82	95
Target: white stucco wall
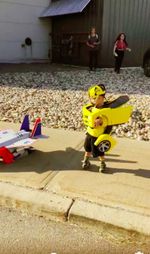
19	19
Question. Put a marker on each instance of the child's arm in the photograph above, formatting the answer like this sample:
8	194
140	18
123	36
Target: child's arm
114	50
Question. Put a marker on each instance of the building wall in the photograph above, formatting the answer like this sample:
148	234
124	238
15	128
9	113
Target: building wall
78	26
131	17
110	17
19	19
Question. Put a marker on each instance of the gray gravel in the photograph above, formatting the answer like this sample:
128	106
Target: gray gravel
58	97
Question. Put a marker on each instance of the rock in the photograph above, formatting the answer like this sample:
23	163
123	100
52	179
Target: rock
58	98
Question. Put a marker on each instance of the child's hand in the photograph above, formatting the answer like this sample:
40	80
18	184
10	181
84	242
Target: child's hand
98	122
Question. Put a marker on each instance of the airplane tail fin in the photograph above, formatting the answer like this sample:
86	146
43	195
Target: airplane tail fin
25	124
36	129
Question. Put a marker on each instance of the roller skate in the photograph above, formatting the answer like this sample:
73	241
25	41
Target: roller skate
86	163
102	167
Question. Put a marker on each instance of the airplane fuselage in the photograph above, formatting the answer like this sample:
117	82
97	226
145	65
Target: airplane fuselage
10	138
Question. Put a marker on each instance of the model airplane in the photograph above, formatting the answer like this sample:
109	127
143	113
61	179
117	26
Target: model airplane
13	144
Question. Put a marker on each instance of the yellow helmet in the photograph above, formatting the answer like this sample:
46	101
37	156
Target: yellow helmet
96	90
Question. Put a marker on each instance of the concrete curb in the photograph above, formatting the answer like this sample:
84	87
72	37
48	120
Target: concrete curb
36	202
113	217
120	221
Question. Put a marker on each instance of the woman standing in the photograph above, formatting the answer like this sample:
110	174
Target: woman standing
93	45
119	48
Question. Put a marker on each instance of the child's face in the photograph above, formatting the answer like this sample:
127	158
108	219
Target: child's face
97	102
122	37
93	30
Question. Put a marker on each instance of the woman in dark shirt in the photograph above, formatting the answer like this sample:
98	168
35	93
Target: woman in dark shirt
93	46
119	48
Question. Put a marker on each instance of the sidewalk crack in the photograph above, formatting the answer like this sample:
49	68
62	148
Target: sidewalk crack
68	211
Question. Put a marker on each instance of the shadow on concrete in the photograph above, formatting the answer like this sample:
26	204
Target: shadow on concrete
138	172
40	162
118	160
70	159
37	67
112	155
110	171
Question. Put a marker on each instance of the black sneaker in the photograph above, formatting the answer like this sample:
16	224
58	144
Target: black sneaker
102	167
86	164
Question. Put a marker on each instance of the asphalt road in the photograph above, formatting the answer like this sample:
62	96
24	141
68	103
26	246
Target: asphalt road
26	234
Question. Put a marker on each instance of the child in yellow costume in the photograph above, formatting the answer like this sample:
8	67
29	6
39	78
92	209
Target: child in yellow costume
99	116
97	98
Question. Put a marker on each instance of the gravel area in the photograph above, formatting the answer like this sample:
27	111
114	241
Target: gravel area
58	96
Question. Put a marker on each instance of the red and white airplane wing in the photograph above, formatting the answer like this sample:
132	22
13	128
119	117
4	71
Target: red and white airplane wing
22	143
5	133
